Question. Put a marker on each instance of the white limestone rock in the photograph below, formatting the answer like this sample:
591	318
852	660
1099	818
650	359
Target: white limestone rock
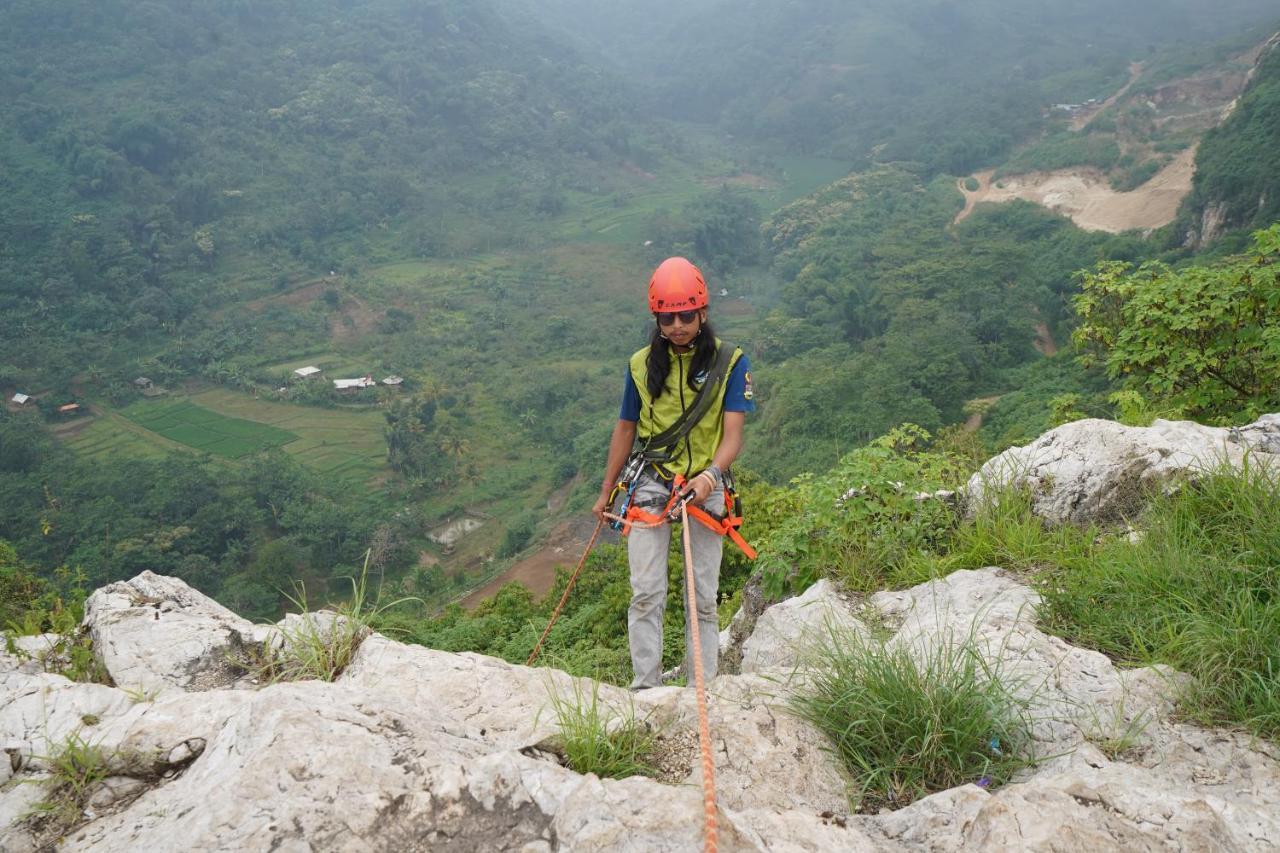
155	633
765	757
416	749
1168	793
1099	470
786	631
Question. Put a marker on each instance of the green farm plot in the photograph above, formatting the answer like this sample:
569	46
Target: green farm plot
112	436
346	444
195	426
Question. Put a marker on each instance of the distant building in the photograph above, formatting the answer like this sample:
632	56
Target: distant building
306	372
21	399
724	292
347	386
69	409
148	388
393	380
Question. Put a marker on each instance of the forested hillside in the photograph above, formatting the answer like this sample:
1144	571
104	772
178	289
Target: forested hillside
1237	180
146	144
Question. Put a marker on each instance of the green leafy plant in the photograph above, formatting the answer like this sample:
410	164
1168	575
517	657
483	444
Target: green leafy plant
864	518
908	722
58	613
1204	338
1133	409
600	738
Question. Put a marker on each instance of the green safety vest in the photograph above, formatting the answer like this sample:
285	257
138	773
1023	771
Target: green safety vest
697	449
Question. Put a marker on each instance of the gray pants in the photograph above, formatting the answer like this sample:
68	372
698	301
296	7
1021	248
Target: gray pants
647	552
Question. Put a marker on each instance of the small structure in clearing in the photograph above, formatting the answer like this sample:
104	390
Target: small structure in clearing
306	372
348	386
393	381
451	532
21	399
147	387
69	409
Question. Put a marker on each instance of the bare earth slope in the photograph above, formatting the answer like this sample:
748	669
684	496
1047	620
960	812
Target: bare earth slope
1085	196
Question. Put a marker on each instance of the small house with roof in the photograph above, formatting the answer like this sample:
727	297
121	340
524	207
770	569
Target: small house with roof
306	372
393	381
351	386
20	399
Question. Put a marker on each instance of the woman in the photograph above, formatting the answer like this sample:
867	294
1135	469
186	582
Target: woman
688	439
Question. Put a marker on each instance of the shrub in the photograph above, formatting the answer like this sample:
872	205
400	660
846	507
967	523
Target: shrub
1204	338
862	520
908	722
42	608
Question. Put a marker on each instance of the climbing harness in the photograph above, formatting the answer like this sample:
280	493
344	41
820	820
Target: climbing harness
627	485
729	524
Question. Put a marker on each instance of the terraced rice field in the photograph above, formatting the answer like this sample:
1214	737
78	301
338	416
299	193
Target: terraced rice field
186	423
346	445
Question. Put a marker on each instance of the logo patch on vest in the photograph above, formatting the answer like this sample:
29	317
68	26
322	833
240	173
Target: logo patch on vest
747	393
700	378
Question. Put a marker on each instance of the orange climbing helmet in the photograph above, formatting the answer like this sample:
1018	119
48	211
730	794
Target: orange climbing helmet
677	285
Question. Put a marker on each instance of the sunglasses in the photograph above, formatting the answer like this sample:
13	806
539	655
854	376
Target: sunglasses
666	318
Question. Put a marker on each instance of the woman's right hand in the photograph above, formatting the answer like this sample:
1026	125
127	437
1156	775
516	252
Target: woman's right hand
601	507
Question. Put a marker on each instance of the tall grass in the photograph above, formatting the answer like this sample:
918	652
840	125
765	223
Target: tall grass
1200	590
907	723
321	647
596	737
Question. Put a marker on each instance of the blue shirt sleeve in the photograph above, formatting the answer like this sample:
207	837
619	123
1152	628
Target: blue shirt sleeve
739	396
630	401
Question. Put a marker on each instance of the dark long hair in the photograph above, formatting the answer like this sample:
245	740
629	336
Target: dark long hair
658	364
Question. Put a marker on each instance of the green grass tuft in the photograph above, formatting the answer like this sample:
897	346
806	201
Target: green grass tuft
907	723
598	738
321	648
76	767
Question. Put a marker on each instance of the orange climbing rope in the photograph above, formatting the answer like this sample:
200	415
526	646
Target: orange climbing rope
567	589
710	830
